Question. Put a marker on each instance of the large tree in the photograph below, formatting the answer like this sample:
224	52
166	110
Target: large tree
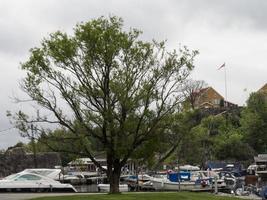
104	83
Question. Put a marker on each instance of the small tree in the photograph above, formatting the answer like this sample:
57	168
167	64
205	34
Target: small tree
105	83
191	91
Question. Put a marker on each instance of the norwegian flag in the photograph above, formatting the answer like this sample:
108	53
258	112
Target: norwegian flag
223	65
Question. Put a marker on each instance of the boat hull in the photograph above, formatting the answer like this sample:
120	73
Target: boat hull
106	188
175	186
36	188
44	185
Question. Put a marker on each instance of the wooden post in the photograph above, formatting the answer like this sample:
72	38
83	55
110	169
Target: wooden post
215	185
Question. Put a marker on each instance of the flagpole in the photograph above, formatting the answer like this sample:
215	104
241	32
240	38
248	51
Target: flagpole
225	83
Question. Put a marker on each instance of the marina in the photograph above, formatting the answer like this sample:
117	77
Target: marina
228	178
162	100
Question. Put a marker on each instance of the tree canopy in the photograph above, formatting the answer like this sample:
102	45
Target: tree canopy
104	83
254	122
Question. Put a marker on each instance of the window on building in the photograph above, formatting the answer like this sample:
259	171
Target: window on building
216	101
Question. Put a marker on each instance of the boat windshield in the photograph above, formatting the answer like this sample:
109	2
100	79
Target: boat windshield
12	176
42	172
28	177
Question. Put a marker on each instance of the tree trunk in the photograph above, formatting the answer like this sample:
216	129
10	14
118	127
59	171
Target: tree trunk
115	180
113	173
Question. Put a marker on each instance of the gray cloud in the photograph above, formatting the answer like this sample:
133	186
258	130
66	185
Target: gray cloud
223	31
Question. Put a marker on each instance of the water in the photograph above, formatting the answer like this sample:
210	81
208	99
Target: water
86	188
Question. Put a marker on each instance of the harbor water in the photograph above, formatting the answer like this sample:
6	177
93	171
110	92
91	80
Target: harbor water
86	188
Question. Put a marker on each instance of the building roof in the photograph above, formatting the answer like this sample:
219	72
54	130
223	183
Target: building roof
263	88
204	90
201	91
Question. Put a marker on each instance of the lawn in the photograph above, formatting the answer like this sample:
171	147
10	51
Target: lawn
142	196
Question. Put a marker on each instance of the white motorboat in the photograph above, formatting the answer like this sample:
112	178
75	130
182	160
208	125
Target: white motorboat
106	187
163	184
31	182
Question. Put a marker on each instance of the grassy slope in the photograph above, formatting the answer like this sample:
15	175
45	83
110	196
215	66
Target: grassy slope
143	196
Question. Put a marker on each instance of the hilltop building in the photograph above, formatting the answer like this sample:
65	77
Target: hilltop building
210	98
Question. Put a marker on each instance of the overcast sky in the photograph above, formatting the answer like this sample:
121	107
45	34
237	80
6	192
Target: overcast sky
230	31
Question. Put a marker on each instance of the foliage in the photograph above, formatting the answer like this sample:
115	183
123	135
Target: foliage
107	84
183	126
231	146
216	137
254	122
59	140
203	138
170	142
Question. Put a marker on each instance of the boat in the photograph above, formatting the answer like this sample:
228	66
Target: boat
141	182
182	181
32	182
166	185
229	180
189	168
56	174
106	187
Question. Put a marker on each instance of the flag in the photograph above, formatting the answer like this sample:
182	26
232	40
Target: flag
223	65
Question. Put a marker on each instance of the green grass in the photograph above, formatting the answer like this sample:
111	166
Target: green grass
142	196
